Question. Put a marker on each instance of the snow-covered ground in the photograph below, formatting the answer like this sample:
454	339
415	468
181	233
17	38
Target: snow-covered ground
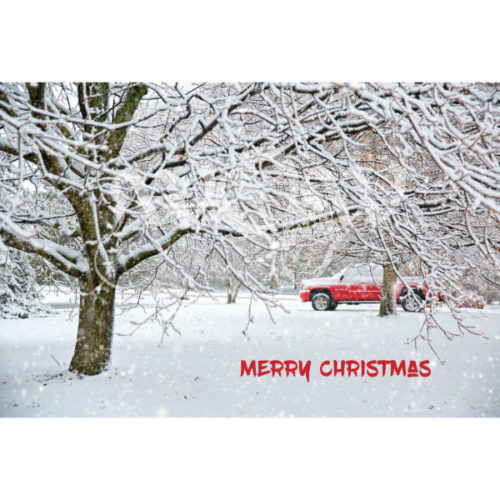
198	373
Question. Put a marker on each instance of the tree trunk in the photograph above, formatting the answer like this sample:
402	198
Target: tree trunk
229	292
95	329
388	297
233	287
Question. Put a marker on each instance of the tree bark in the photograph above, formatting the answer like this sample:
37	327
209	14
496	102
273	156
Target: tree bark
95	329
233	287
229	291
388	297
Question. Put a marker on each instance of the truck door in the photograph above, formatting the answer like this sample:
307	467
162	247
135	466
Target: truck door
374	284
355	286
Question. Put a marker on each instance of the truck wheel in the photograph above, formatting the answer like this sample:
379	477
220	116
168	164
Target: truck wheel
414	302
321	302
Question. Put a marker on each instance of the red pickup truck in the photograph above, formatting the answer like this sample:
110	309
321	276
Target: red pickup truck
357	284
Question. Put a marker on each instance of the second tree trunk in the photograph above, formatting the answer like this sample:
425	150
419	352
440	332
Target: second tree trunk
388	297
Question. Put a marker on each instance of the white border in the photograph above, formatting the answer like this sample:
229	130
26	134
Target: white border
249	459
259	40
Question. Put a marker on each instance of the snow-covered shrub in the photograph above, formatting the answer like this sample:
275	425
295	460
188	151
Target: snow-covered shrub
472	300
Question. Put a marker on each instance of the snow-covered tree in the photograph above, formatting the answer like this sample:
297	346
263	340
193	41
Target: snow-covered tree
426	187
134	168
20	290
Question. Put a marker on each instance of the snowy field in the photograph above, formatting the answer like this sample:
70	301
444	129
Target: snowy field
197	373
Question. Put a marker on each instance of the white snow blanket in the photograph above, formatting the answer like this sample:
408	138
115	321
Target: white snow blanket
197	373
